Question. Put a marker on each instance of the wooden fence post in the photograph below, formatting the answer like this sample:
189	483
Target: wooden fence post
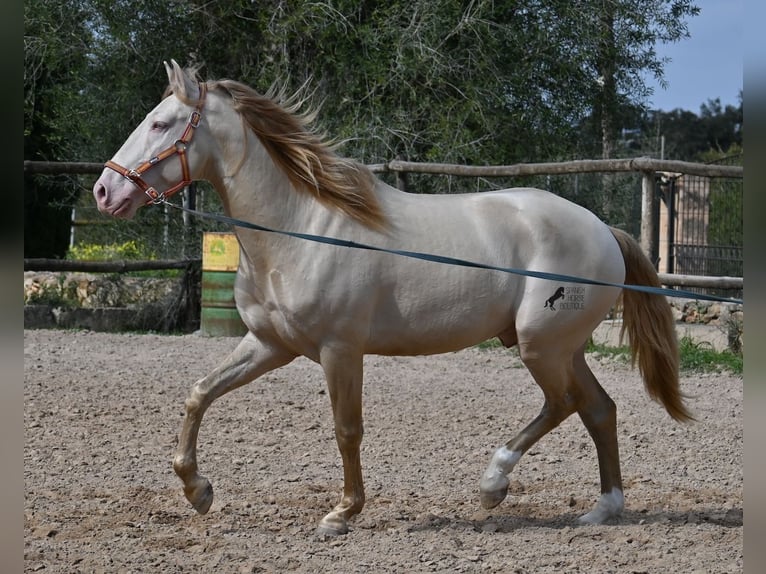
649	223
401	177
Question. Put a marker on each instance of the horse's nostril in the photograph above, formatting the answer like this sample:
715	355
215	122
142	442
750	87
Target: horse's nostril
101	194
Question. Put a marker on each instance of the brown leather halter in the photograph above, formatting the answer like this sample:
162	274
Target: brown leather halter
179	147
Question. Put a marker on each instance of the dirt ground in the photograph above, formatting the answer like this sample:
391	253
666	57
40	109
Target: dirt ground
102	414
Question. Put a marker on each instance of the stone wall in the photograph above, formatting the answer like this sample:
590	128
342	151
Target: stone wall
726	318
705	312
111	302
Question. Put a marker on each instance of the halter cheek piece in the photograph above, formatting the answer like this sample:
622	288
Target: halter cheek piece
179	147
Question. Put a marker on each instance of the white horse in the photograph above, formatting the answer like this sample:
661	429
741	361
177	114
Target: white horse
334	304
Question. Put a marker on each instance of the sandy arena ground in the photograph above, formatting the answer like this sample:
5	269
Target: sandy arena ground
102	413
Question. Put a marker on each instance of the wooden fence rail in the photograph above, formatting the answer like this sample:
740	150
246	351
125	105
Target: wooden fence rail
57	167
703	281
106	266
638	164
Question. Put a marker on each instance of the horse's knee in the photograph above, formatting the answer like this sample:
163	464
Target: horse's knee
192	405
196	401
349	435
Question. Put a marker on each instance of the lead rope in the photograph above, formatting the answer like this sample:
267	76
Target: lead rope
680	293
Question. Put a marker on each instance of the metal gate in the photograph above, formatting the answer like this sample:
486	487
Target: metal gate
702	227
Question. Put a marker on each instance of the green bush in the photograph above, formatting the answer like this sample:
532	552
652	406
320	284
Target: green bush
129	250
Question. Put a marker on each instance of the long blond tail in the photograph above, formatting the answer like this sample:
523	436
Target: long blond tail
648	320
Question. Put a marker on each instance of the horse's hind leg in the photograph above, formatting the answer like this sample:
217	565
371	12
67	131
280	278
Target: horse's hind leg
554	374
599	415
250	359
568	385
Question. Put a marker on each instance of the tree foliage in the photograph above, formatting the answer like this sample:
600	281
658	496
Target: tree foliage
687	136
56	45
482	81
477	81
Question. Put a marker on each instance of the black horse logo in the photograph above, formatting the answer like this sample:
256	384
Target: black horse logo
553	298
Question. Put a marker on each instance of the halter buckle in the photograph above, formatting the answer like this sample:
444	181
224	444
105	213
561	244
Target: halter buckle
155	197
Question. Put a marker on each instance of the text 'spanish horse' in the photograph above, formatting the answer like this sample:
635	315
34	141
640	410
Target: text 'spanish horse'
334	305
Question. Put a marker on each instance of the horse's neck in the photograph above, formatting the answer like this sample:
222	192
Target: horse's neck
260	193
254	189
257	191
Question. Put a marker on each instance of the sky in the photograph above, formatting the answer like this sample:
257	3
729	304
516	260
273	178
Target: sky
708	64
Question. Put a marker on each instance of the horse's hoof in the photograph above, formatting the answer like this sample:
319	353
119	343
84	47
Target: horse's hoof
493	491
332	526
594	517
200	494
597	516
490	499
609	506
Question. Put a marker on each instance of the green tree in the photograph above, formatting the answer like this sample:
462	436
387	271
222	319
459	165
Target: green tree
723	126
125	77
626	35
688	136
726	211
56	45
615	41
478	82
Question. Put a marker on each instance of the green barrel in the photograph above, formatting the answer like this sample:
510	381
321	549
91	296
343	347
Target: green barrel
218	314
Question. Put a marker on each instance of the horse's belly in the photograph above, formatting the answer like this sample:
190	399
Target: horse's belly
437	325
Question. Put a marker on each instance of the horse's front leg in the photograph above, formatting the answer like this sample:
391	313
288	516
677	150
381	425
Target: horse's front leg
343	371
248	361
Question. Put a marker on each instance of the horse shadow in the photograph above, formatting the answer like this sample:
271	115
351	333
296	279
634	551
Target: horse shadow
722	517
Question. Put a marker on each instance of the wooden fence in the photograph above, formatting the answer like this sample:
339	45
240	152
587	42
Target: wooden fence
647	167
42	264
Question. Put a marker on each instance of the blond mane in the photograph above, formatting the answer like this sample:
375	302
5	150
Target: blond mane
309	161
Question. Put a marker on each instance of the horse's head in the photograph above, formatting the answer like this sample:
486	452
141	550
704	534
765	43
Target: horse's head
236	130
158	158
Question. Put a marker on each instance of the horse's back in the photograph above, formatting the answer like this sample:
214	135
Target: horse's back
516	227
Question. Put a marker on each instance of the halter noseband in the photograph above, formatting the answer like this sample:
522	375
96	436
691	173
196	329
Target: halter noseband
179	147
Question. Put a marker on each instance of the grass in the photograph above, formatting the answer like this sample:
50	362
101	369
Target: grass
621	353
702	357
493	343
695	357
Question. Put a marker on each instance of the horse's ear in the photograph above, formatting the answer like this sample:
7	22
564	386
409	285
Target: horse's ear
179	81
